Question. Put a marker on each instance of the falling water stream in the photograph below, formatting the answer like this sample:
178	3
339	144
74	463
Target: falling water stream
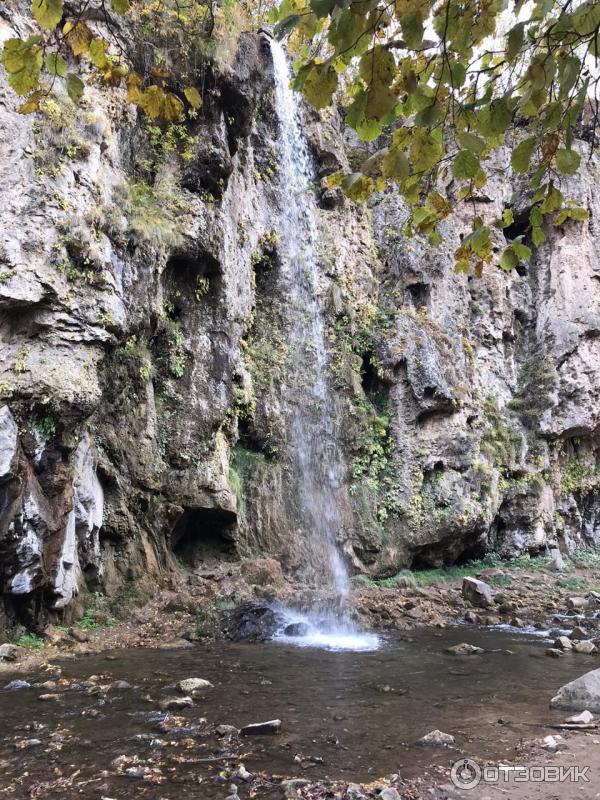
311	430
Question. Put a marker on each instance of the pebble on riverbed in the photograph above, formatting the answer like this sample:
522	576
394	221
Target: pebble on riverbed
465	649
261	728
193	685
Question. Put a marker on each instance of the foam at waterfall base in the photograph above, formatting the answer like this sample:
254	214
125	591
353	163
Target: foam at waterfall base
325	632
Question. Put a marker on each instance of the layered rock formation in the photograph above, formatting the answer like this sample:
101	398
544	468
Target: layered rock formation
144	339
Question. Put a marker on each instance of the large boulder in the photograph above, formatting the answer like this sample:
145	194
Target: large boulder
477	592
252	623
581	694
263	572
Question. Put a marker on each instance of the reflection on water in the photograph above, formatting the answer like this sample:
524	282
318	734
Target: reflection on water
352	715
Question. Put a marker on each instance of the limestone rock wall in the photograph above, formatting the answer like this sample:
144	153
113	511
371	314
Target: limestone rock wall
143	372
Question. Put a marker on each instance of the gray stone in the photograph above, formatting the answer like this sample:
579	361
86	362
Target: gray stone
193	684
437	738
9	652
261	728
477	592
584	718
586	647
175	703
581	694
389	794
557	562
9	439
465	649
563	643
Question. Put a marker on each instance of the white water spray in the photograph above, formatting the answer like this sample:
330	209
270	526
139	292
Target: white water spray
319	462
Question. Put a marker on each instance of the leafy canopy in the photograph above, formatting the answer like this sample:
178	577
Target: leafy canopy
168	38
449	82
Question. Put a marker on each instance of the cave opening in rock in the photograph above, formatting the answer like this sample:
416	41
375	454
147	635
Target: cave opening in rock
188	279
204	535
419	294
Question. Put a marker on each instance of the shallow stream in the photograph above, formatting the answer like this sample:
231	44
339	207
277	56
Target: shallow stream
346	715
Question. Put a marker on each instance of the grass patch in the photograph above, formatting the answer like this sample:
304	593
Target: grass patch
426	577
574	584
30	640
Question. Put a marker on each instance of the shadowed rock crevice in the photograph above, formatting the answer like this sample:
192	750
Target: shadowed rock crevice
204	534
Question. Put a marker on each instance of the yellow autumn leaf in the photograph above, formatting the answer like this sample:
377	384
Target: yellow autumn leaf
79	37
192	95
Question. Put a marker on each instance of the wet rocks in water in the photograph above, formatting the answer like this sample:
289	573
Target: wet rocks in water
581	694
477	592
586	647
296	629
17	684
226	730
554	652
261	728
175	703
578	633
437	739
193	685
465	649
252	623
576	603
563	643
9	652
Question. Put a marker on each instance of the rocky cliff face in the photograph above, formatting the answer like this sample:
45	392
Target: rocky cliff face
144	340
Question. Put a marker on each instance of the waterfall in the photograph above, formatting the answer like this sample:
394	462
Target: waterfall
311	427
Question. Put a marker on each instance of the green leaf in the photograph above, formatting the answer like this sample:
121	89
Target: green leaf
74	87
322	8
425	150
56	65
568	70
47	13
522	252
23	62
567	161
412	29
579	214
465	165
507	217
521	155
468	141
514	41
537	235
320	84
495	119
508	259
395	164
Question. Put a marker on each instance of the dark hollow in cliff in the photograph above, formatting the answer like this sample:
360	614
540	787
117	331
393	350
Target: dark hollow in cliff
202	534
